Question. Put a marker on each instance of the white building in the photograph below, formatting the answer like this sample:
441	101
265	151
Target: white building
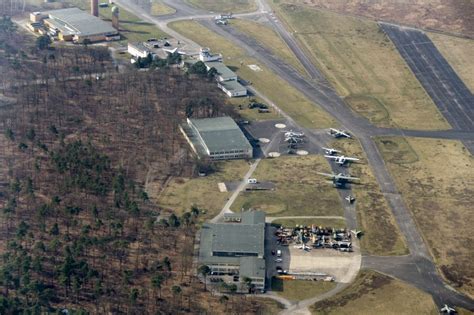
138	50
232	88
206	56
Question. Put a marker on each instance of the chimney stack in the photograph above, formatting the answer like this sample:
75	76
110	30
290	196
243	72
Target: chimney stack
95	7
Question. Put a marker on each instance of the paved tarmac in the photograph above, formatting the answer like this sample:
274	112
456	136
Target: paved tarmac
440	81
416	268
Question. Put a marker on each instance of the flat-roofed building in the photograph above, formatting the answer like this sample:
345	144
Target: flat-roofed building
223	72
232	88
218	138
236	248
73	24
138	50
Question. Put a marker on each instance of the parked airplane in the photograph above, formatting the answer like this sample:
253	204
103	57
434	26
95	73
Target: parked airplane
330	151
339	180
174	50
448	310
350	198
357	233
341	159
293	140
292	133
336	133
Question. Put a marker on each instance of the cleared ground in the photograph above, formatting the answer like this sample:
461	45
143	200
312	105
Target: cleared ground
374	293
436	179
459	53
364	67
241	105
268	306
381	233
335	223
446	15
265	81
297	290
269	38
225	6
299	190
182	193
159	8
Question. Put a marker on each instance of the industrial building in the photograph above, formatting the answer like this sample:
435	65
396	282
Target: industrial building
138	50
227	80
217	138
75	25
234	250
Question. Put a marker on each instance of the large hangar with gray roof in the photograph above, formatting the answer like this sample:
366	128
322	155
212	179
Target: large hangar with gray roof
236	248
217	138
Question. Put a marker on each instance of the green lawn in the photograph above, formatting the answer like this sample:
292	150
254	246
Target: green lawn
298	290
373	294
299	189
281	93
268	37
225	6
364	66
182	193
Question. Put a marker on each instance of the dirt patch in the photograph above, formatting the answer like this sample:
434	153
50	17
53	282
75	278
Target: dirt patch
445	15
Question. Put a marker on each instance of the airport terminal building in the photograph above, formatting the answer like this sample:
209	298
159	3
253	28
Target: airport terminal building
217	138
234	249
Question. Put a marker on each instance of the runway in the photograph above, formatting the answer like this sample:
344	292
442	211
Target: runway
440	81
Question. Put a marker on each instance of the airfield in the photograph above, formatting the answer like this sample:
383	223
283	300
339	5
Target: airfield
418	267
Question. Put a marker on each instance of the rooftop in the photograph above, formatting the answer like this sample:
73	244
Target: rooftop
222	69
238	238
233	86
79	22
220	134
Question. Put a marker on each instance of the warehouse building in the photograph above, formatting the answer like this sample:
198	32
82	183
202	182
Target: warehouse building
217	138
234	250
227	80
75	25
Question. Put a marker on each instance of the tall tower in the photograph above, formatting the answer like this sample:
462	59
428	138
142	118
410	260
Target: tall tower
95	7
115	17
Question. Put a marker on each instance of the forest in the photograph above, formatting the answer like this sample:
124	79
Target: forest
79	142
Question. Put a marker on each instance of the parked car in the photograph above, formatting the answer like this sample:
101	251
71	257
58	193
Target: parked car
278	260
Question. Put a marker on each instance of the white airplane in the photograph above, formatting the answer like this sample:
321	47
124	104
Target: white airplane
341	159
336	133
293	140
292	133
350	198
448	310
174	50
330	151
356	233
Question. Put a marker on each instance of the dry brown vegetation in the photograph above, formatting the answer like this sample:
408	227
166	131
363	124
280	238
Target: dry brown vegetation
435	178
77	227
445	15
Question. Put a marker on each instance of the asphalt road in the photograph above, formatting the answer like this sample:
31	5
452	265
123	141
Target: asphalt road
440	81
416	268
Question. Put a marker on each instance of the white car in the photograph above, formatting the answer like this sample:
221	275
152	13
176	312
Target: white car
278	260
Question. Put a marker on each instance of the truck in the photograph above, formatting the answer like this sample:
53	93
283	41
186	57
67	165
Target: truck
278	253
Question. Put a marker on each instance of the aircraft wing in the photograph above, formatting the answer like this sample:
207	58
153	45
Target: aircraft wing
332	157
351	159
344	134
348	177
326	174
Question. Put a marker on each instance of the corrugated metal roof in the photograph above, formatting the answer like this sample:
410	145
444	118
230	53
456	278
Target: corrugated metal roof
81	22
222	69
221	134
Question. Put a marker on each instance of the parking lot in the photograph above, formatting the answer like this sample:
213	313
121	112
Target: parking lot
342	266
261	134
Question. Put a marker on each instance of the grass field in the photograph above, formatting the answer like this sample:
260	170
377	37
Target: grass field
374	293
381	233
298	290
182	193
269	306
269	38
364	66
436	179
225	6
158	8
299	190
459	53
283	95
335	223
